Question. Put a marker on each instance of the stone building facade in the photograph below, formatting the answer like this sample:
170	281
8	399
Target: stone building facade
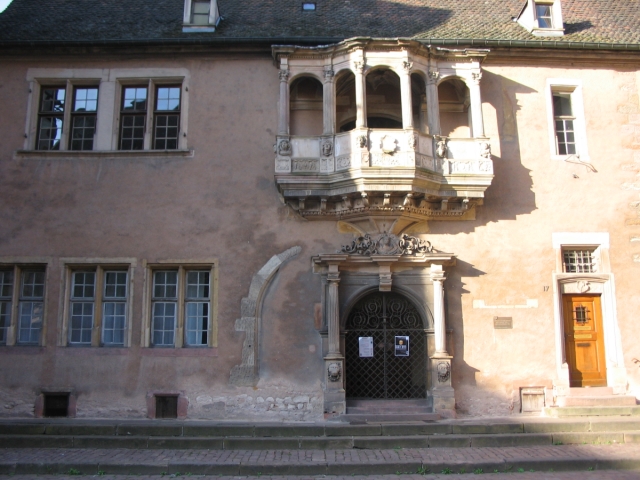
274	211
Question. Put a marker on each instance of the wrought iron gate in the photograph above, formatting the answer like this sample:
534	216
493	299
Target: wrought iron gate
384	316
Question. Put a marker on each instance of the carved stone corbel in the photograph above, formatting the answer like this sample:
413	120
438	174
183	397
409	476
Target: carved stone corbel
365	199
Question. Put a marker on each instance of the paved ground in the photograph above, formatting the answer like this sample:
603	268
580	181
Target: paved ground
508	460
600	475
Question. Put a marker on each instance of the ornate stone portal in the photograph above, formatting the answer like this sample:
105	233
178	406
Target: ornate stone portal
406	265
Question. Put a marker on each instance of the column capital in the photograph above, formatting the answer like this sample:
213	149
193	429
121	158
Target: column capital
437	273
407	66
284	75
328	75
358	67
432	76
476	77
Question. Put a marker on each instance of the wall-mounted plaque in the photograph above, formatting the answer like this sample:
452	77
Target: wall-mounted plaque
366	346
402	346
502	322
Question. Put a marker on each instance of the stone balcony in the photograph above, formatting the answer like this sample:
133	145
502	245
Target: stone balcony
390	173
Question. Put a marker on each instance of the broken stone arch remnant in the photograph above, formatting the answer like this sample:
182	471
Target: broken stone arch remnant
247	373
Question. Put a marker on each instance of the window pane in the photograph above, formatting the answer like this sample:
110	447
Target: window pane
132	133
543	13
82	131
49	133
86	100
562	105
168	99
81	323
5	320
52	99
113	323
115	284
166	132
165	284
30	322
197	323
6	284
164	321
32	285
198	284
83	284
135	99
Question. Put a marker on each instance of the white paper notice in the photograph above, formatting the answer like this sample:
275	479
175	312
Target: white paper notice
366	346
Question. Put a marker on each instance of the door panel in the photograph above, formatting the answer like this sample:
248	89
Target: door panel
584	340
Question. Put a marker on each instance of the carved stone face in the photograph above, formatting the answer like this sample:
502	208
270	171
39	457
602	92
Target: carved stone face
334	371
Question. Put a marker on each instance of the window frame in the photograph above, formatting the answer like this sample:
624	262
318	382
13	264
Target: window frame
152	85
107	131
17	299
210	26
537	16
574	89
74	115
182	300
100	269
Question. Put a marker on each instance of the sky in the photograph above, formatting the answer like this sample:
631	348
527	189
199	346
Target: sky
3	4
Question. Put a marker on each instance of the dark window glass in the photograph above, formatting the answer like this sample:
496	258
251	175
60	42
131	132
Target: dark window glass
50	118
167	125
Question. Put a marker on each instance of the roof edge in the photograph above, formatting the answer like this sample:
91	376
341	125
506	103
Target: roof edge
273	41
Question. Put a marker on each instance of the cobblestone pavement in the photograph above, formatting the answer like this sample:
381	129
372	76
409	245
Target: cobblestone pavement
600	475
451	456
579	459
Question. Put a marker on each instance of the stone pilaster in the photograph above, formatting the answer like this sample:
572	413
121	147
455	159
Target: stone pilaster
334	394
283	114
405	92
444	401
328	103
433	109
477	123
361	104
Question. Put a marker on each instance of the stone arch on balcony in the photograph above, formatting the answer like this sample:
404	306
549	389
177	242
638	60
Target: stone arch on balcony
454	107
383	98
345	102
306	105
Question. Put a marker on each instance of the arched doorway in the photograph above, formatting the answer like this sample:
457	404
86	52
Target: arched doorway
382	320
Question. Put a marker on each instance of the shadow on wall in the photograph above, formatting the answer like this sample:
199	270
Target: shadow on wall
510	193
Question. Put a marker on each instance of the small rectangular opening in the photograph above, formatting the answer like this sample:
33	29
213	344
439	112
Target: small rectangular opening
56	404
308	7
166	406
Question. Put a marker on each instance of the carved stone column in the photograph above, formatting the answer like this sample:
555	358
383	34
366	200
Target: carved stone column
433	107
333	312
437	276
283	116
334	394
442	391
405	93
477	123
328	103
361	104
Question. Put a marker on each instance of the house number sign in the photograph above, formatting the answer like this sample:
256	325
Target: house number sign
402	346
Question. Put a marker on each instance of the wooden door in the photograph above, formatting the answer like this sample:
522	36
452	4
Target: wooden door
584	340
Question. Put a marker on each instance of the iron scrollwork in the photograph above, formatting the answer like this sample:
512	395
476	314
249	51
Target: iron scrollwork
388	244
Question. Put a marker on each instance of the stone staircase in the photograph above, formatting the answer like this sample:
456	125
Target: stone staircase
172	434
376	411
593	401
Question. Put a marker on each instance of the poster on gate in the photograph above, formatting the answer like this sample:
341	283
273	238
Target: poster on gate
402	346
366	346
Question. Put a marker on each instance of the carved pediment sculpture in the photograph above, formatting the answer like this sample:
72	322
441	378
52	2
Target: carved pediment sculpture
388	244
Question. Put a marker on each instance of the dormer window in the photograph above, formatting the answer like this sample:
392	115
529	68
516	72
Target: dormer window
543	18
200	12
543	15
200	16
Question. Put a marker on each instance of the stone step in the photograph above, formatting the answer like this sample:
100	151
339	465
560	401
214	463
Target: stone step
597	401
558	412
590	391
317	443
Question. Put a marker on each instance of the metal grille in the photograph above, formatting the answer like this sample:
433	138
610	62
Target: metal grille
579	261
384	316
